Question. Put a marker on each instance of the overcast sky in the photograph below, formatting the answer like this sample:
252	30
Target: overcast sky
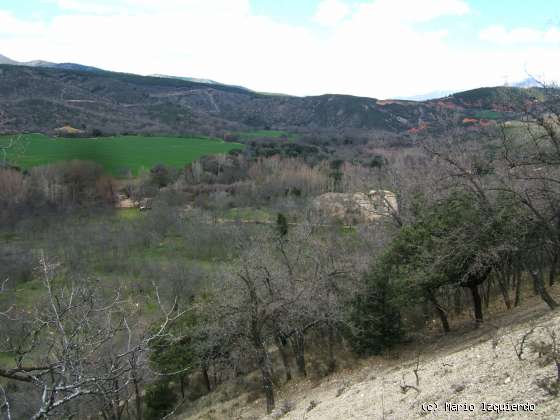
375	48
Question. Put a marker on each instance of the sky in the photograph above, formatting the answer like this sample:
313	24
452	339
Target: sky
375	48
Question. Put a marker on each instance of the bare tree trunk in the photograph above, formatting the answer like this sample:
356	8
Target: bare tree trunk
488	293
115	402
552	272
538	282
426	308
477	304
215	375
517	277
442	314
263	360
474	281
502	284
182	380
138	398
331	338
298	345
535	286
281	345
457	301
206	378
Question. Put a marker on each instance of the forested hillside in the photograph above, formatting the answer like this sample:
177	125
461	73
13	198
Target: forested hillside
37	99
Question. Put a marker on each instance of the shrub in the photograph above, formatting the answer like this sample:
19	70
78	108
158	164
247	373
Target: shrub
160	175
377	161
282	224
96	132
160	400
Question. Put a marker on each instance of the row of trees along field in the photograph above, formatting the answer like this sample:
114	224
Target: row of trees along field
478	221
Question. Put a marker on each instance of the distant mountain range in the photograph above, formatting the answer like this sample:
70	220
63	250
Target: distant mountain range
41	96
437	94
6	60
81	67
197	80
527	83
41	63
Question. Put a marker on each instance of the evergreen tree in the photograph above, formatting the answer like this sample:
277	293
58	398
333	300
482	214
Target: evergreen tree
375	316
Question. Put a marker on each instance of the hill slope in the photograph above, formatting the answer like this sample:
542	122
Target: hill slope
43	98
6	60
475	368
42	63
467	366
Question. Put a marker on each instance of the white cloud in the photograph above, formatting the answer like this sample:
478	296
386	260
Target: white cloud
331	12
93	8
411	10
154	7
500	35
373	49
11	26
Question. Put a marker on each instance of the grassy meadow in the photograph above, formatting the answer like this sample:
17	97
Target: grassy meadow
118	154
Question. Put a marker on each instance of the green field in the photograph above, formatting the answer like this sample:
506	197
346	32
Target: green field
269	134
489	114
117	155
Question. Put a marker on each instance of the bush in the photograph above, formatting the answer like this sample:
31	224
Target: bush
235	152
160	400
160	175
377	161
96	132
282	224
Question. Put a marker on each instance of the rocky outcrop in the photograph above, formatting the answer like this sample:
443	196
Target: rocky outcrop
354	208
124	202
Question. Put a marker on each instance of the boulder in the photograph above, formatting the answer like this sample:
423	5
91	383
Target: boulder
354	208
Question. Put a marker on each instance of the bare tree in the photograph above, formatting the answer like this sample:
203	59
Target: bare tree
518	185
79	347
12	150
529	173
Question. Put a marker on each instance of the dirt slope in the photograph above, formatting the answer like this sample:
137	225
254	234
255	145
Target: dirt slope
480	366
469	366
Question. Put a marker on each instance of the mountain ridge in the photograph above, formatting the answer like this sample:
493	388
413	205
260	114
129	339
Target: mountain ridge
527	83
43	63
43	97
198	80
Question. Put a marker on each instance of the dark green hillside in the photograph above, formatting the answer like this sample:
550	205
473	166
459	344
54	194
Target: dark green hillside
501	97
37	99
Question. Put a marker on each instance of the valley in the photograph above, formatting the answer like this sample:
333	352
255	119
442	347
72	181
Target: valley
178	248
